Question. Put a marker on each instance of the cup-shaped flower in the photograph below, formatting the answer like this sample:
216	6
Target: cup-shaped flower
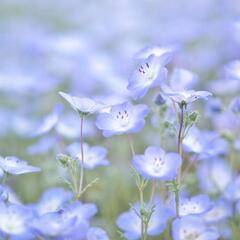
96	233
82	105
192	227
185	96
14	221
150	73
157	164
16	166
93	156
122	118
130	223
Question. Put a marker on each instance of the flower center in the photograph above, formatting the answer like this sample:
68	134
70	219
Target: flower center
157	164
145	71
123	118
190	234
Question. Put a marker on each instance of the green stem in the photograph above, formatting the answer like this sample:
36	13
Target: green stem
130	141
82	160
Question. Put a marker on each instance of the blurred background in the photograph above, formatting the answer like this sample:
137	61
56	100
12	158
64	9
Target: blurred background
86	48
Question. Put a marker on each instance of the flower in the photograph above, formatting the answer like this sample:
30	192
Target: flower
82	105
130	222
14	221
16	166
122	118
93	156
195	205
150	73
96	233
157	164
235	105
184	96
232	191
192	227
232	70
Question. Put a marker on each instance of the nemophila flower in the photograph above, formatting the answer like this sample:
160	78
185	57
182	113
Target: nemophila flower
193	227
16	166
196	205
122	118
157	164
214	175
235	105
185	96
82	105
49	122
130	223
182	79
232	70
14	221
213	107
165	52
220	211
237	144
8	195
206	144
150	73
52	200
232	191
96	233
93	156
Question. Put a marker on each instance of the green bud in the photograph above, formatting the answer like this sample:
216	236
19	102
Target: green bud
63	159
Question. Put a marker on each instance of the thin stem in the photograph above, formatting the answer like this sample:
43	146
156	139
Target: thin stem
82	159
142	207
154	185
130	141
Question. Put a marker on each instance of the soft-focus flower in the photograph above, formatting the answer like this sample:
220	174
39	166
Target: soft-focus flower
192	227
214	175
82	105
14	221
130	223
157	164
53	200
220	211
232	191
122	119
16	166
185	96
235	105
93	156
150	73
232	70
96	233
8	195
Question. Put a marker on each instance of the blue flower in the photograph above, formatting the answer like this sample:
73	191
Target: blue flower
122	119
14	221
157	164
93	156
196	205
53	200
235	105
220	211
150	73
214	175
232	191
82	105
232	70
130	223
192	227
96	233
184	96
16	166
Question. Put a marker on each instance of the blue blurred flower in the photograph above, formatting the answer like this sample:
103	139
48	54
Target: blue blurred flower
157	164
16	166
192	227
130	223
122	119
14	221
93	156
96	233
82	105
150	73
232	191
8	195
235	105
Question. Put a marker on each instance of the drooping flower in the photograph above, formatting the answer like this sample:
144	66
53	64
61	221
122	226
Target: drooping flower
150	73
122	119
130	223
82	105
16	166
157	164
93	156
96	233
192	227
